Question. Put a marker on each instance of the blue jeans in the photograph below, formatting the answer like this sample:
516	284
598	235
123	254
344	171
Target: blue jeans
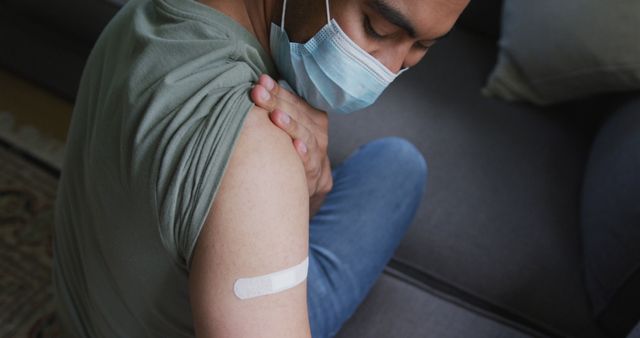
376	192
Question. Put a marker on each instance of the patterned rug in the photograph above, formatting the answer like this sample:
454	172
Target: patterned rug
27	195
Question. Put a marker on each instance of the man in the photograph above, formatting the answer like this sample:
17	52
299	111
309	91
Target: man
180	196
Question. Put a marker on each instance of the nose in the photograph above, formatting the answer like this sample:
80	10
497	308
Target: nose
395	63
395	59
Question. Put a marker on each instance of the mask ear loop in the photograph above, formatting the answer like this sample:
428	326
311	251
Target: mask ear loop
328	14
284	10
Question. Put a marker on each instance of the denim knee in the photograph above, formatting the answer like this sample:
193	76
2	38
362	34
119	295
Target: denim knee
403	158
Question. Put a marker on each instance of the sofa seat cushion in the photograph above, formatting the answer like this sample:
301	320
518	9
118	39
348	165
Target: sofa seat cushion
395	308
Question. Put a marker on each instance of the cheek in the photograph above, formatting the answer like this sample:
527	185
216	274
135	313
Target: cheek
348	14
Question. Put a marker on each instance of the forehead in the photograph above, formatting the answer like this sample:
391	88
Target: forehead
428	17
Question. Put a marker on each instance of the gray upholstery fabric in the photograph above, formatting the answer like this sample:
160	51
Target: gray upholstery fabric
635	333
611	219
417	314
482	17
500	214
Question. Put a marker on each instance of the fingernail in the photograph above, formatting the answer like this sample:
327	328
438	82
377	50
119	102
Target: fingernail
303	148
269	83
284	118
264	94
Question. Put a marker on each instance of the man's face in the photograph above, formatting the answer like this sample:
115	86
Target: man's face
396	32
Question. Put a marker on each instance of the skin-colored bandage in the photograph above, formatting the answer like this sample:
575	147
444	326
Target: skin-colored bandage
246	288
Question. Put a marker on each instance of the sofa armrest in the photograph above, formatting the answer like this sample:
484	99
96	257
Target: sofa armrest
610	222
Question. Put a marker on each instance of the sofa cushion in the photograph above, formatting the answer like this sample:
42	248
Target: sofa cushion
611	220
500	214
395	308
552	51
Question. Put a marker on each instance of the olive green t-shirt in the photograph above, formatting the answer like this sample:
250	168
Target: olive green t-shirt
161	102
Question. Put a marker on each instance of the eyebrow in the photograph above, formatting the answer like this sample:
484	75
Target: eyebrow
394	16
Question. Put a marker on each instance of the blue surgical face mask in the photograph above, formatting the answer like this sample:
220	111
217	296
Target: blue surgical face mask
330	71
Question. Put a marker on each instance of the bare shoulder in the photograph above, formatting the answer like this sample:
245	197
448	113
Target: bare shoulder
257	224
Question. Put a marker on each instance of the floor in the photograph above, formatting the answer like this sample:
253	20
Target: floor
35	106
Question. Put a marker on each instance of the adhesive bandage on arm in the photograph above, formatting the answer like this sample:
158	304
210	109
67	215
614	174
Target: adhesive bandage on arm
246	288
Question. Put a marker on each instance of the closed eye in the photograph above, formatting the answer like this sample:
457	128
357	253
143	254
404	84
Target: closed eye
370	30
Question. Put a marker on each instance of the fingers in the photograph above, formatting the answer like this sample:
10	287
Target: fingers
278	97
273	98
262	97
312	167
265	93
287	99
326	182
318	171
295	129
286	116
302	150
323	180
307	127
268	101
269	83
280	92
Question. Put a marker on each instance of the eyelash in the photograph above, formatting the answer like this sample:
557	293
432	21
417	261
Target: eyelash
369	29
423	47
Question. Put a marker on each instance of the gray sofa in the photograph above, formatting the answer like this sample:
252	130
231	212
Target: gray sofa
513	205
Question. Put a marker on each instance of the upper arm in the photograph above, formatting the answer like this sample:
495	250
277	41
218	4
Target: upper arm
257	224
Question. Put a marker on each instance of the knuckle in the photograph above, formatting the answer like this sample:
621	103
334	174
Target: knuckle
323	120
289	126
272	103
316	174
329	182
276	88
323	141
310	137
311	168
295	99
327	186
310	140
307	160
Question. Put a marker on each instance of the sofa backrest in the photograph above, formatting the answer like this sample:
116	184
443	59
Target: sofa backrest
83	19
482	16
